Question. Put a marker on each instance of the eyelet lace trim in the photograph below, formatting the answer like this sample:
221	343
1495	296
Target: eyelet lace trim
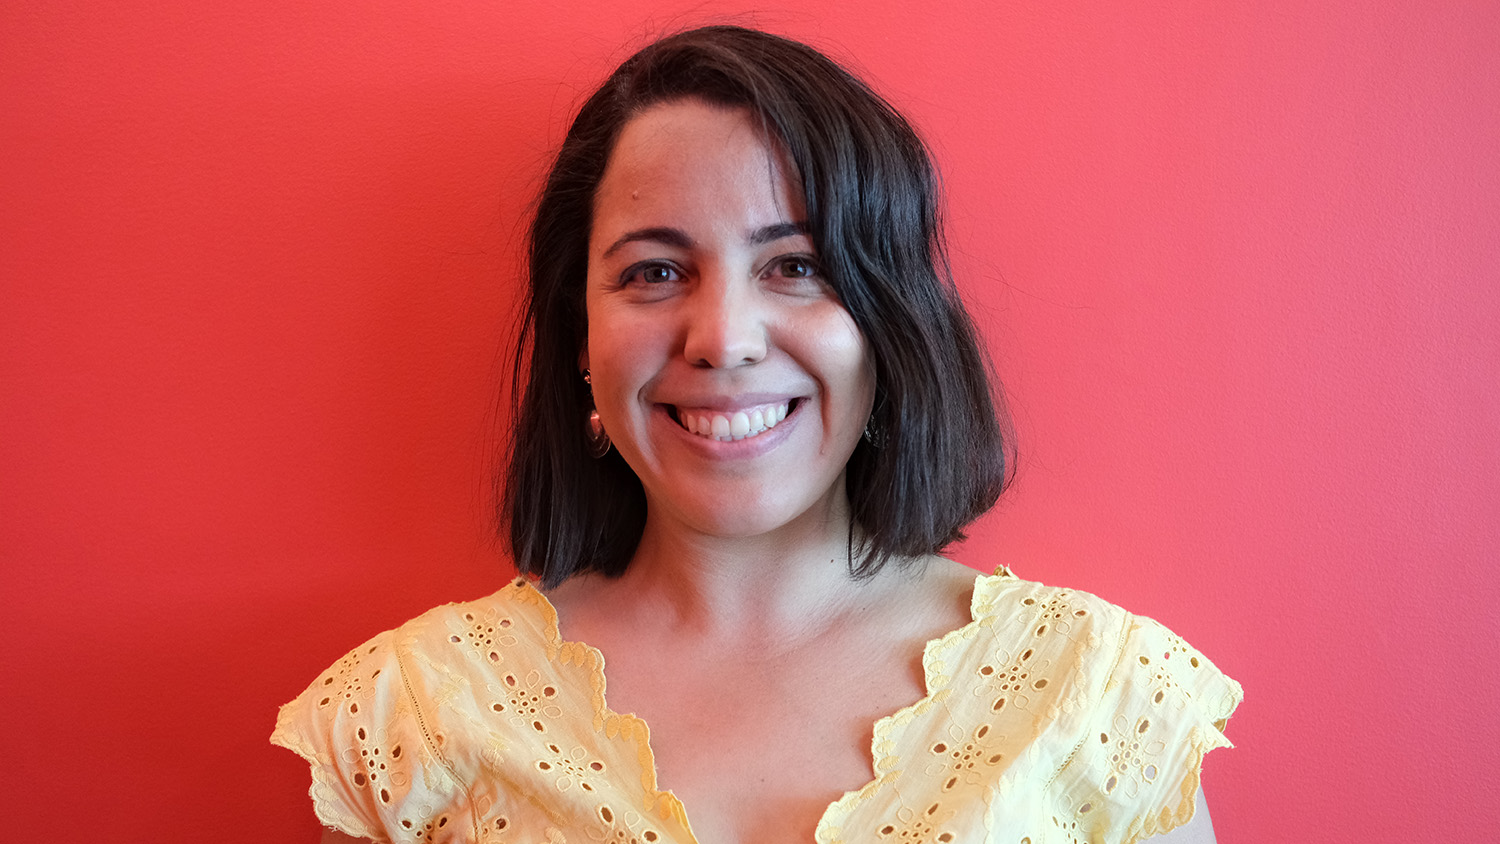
943	771
624	728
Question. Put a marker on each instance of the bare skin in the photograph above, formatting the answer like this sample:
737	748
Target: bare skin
760	720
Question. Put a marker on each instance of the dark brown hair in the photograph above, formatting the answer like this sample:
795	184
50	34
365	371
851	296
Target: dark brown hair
938	460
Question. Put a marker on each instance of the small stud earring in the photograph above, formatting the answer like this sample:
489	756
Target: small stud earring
594	433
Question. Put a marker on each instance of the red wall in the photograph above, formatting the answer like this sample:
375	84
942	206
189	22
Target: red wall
1237	262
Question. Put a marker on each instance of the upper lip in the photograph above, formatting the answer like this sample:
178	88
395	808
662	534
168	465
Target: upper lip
720	403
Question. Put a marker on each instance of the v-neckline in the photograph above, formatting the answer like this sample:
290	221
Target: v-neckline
884	724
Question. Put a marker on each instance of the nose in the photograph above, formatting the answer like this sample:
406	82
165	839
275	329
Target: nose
726	325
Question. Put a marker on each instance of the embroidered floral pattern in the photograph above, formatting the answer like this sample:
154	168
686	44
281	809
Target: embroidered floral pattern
376	765
484	636
912	827
622	828
1006	681
574	768
1053	717
964	759
345	684
527	701
494	830
426	829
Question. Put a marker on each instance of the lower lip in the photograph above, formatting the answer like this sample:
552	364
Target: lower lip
742	449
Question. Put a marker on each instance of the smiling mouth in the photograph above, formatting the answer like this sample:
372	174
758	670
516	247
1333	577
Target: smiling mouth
732	425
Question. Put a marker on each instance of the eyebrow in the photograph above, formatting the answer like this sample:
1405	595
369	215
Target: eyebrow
679	238
776	231
656	234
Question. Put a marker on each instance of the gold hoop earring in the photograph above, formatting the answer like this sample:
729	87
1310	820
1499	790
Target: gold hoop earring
594	433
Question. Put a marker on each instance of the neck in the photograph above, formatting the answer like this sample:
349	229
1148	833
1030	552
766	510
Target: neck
785	587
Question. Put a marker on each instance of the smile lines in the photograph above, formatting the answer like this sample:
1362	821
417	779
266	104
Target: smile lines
737	425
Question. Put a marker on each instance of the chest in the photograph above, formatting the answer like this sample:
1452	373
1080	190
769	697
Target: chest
758	745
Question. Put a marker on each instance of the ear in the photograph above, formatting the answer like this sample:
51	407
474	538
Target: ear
583	360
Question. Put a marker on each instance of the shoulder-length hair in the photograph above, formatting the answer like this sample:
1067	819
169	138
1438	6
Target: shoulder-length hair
935	457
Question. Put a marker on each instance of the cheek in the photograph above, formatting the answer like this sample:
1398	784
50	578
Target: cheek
856	358
624	357
858	368
849	367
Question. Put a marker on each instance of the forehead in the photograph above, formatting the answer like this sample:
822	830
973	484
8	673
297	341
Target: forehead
691	163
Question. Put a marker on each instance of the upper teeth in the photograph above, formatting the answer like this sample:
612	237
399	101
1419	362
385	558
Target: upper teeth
735	425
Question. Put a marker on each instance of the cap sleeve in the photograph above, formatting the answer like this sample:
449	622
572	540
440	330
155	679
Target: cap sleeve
1135	773
355	728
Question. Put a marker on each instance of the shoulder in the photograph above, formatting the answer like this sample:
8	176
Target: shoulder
515	617
1126	645
401	662
1132	654
481	630
1003	594
1150	706
1056	631
372	725
1042	720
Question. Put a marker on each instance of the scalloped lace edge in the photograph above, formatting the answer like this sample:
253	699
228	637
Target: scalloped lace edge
615	726
980	607
635	730
1171	817
325	807
1203	741
883	760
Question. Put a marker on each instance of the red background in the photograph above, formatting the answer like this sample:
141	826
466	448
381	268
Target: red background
1236	262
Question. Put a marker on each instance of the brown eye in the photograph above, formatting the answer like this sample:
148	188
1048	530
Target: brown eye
652	274
798	267
658	273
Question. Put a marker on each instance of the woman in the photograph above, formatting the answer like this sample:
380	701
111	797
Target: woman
754	412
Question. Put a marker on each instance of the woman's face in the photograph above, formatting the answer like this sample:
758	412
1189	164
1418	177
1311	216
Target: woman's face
725	369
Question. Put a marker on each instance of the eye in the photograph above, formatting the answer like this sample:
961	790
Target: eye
797	266
651	272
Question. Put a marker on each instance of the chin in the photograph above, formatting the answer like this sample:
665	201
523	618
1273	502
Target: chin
758	519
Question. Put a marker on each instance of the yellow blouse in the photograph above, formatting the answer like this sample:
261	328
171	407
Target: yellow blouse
1052	717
